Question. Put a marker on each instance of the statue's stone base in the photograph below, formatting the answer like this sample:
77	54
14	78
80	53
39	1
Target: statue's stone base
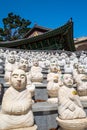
52	100
45	115
27	128
37	83
75	124
41	92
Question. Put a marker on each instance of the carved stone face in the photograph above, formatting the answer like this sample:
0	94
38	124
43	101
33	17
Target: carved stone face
11	59
80	69
54	68
36	63
68	80
23	64
76	65
18	79
17	58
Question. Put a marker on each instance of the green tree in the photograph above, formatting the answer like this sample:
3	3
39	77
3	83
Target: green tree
14	27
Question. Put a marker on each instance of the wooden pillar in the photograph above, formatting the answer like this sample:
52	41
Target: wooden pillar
41	44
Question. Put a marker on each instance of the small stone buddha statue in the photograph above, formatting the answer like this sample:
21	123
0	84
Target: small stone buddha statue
71	114
24	65
36	72
16	111
69	99
68	67
9	67
54	71
77	72
82	88
52	89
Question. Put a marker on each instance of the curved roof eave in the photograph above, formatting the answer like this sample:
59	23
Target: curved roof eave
48	34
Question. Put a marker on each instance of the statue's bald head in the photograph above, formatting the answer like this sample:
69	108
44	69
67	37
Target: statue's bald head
18	79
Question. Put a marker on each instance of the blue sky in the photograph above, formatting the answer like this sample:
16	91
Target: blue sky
49	13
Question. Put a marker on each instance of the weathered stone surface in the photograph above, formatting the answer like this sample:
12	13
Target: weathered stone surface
76	124
28	128
16	111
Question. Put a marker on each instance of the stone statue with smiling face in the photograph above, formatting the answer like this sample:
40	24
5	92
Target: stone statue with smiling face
16	109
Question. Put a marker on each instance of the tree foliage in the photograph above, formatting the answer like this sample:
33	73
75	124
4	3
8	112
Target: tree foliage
14	27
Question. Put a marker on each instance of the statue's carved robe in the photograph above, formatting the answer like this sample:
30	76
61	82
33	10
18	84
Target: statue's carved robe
16	109
69	105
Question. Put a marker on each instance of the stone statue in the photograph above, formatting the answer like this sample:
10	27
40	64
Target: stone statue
82	88
52	89
54	71
71	113
68	67
69	105
36	72
9	67
16	111
82	85
78	69
24	65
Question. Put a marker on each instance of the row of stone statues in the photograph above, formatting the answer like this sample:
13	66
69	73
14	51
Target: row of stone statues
45	58
16	111
34	73
66	85
57	66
